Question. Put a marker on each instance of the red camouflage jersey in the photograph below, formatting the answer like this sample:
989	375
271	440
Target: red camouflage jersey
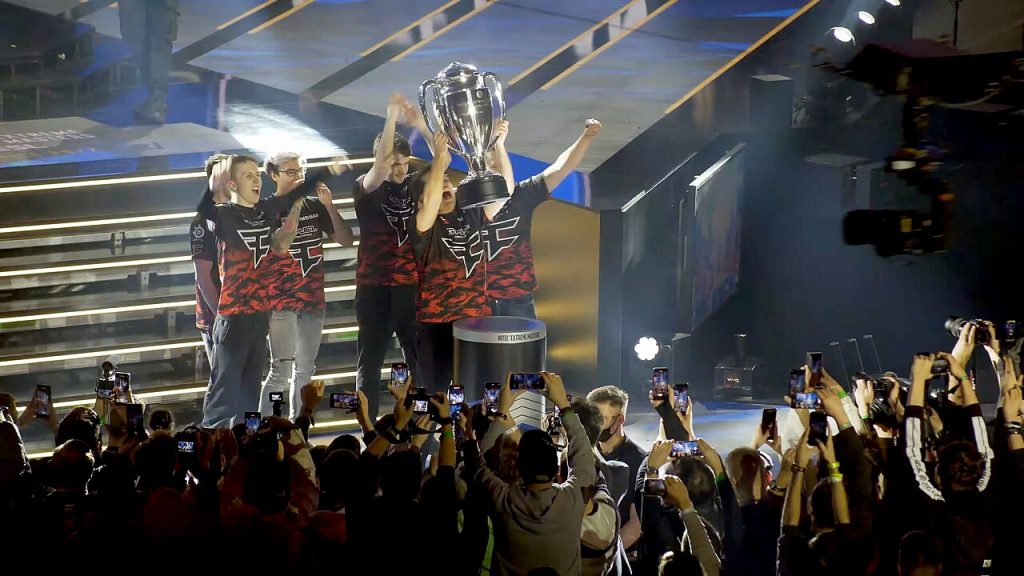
298	277
452	272
386	220
510	272
203	243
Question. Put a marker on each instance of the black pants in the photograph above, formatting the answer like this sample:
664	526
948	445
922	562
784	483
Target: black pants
380	312
435	350
239	354
522	307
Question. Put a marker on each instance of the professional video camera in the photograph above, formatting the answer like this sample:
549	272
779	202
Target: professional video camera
928	74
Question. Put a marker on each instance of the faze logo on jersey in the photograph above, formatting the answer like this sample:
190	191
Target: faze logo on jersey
398	217
499	235
258	242
468	250
302	252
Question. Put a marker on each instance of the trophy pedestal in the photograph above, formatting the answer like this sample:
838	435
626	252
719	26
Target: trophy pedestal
477	192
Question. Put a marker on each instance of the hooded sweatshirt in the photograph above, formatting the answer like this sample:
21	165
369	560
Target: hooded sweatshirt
540	528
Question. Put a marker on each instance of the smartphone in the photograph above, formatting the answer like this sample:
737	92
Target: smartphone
814	364
1010	330
252	422
807	400
659	383
769	423
186	447
456	395
491	391
938	387
42	401
685	448
796	382
819	429
555	426
526	381
654	486
133	415
682	392
122	382
277	396
399	374
420	400
104	389
940	366
345	400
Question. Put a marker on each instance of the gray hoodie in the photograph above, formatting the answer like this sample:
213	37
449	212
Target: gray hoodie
539	529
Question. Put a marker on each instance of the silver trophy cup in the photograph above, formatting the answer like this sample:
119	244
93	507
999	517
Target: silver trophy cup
466	105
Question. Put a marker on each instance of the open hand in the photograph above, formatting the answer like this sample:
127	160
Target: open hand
323	193
338	165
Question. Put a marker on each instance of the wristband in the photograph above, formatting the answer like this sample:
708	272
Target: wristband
835	478
501	415
1014	425
866	418
797	468
447	434
845	426
564	411
720	477
1015	431
833	465
842	394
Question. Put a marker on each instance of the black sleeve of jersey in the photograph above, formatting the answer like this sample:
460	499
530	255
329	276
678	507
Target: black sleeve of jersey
202	242
206	209
532	191
277	204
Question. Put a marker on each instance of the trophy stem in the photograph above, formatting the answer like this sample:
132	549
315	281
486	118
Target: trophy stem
477	164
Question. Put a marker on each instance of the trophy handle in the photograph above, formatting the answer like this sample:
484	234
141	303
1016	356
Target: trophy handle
498	96
431	119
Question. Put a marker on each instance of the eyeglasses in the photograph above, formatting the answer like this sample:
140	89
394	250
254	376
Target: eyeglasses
293	172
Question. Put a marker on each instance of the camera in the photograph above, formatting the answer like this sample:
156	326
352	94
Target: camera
277	396
1006	331
419	400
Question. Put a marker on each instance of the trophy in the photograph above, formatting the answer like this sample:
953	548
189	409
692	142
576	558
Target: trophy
467	106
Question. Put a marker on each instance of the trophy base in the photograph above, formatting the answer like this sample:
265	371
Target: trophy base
477	192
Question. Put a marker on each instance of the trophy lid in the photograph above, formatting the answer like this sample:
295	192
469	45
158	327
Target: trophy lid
456	69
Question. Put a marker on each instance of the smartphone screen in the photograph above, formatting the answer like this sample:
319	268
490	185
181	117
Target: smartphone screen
938	387
526	381
344	400
1010	330
456	395
252	422
814	364
277	396
682	392
660	383
768	416
796	382
685	448
104	389
806	400
654	486
399	373
491	391
122	382
133	414
186	447
42	401
819	428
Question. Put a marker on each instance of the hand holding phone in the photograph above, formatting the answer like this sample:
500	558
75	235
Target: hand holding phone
526	381
682	392
818	425
814	365
654	487
491	392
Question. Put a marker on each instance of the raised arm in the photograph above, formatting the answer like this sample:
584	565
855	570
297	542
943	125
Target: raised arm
570	159
341	232
434	186
498	160
413	117
385	147
579	454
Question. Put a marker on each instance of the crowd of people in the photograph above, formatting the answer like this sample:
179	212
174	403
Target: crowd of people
906	479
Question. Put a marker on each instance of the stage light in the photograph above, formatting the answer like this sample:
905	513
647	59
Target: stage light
647	348
866	17
842	33
893	2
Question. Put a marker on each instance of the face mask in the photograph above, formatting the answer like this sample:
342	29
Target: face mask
608	433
